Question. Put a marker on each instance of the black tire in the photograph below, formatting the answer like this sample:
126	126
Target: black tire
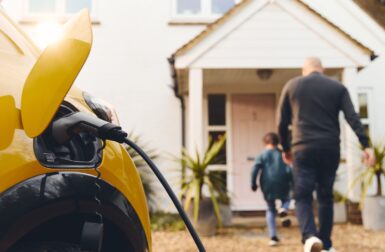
48	247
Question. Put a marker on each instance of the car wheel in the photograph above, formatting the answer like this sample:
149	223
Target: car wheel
48	247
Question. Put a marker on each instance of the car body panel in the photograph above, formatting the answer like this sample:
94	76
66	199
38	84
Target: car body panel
18	162
53	74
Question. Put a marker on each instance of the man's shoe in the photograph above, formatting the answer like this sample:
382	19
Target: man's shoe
274	241
313	244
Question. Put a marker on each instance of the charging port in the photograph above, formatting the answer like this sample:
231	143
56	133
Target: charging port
81	151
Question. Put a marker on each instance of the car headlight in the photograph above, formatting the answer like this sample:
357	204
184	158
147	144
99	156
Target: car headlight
101	108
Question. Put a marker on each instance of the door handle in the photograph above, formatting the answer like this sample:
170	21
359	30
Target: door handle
250	158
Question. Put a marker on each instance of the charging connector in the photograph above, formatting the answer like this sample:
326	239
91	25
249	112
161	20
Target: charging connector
63	129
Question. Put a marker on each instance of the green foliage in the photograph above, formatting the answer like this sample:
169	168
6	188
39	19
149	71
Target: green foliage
145	173
198	175
161	221
337	197
370	173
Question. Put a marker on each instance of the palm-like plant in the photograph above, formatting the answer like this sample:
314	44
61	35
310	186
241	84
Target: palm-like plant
146	175
374	172
198	175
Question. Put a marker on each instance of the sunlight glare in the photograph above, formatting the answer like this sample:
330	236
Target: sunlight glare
47	32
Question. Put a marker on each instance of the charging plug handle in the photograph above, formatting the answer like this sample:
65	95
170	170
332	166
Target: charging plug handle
64	128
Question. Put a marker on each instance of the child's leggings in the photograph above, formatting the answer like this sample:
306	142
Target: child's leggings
271	213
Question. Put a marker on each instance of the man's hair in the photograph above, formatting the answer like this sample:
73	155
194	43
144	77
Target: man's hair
271	138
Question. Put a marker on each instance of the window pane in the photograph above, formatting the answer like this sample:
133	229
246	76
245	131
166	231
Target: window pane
42	6
363	105
367	129
222	155
73	6
221	6
217	109
188	7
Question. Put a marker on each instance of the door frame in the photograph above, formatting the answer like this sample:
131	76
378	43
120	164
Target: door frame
229	135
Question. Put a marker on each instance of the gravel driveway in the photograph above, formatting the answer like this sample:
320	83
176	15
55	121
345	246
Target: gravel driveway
347	238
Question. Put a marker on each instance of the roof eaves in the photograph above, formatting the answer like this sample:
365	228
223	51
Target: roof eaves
359	44
211	27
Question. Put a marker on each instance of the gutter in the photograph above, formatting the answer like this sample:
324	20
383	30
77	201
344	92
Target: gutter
175	87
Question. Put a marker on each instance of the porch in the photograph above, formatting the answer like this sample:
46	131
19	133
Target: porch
231	76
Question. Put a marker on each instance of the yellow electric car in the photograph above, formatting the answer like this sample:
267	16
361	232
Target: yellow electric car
50	190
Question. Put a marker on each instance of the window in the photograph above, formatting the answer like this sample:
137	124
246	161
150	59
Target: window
363	108
73	6
198	10
221	6
217	109
217	123
57	7
42	6
188	7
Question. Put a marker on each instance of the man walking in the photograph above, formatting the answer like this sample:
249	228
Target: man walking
310	105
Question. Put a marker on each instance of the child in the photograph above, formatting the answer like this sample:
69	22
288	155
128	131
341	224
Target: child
275	181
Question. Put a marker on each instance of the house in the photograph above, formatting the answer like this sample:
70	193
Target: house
178	71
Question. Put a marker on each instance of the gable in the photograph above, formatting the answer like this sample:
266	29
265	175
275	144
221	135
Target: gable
278	34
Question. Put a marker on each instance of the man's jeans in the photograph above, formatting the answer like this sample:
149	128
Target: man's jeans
271	213
315	169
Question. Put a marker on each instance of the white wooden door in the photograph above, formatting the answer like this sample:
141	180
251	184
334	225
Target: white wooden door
252	117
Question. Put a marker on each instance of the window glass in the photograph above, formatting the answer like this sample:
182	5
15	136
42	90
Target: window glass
73	6
42	6
363	105
217	109
222	155
221	6
188	7
367	129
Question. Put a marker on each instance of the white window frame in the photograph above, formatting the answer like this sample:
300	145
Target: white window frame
59	13
369	119
225	128
206	15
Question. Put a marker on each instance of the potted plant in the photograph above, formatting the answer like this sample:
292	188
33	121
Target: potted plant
373	206
340	215
204	210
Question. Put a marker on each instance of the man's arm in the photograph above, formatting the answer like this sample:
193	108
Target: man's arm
284	119
353	119
255	171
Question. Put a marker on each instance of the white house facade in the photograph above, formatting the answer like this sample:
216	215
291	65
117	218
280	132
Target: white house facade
179	71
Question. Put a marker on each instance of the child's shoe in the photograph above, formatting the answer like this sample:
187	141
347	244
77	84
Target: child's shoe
285	220
274	241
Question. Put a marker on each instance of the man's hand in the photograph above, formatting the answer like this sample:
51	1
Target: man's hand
369	158
287	158
254	188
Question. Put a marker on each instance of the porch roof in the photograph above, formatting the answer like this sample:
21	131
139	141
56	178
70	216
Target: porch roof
233	11
240	13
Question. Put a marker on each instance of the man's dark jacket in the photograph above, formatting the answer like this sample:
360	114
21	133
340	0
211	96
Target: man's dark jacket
311	105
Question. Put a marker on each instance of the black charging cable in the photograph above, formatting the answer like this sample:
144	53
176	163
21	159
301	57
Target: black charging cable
169	191
67	126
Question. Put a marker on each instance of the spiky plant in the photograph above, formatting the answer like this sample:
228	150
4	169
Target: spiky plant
146	175
373	172
198	175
